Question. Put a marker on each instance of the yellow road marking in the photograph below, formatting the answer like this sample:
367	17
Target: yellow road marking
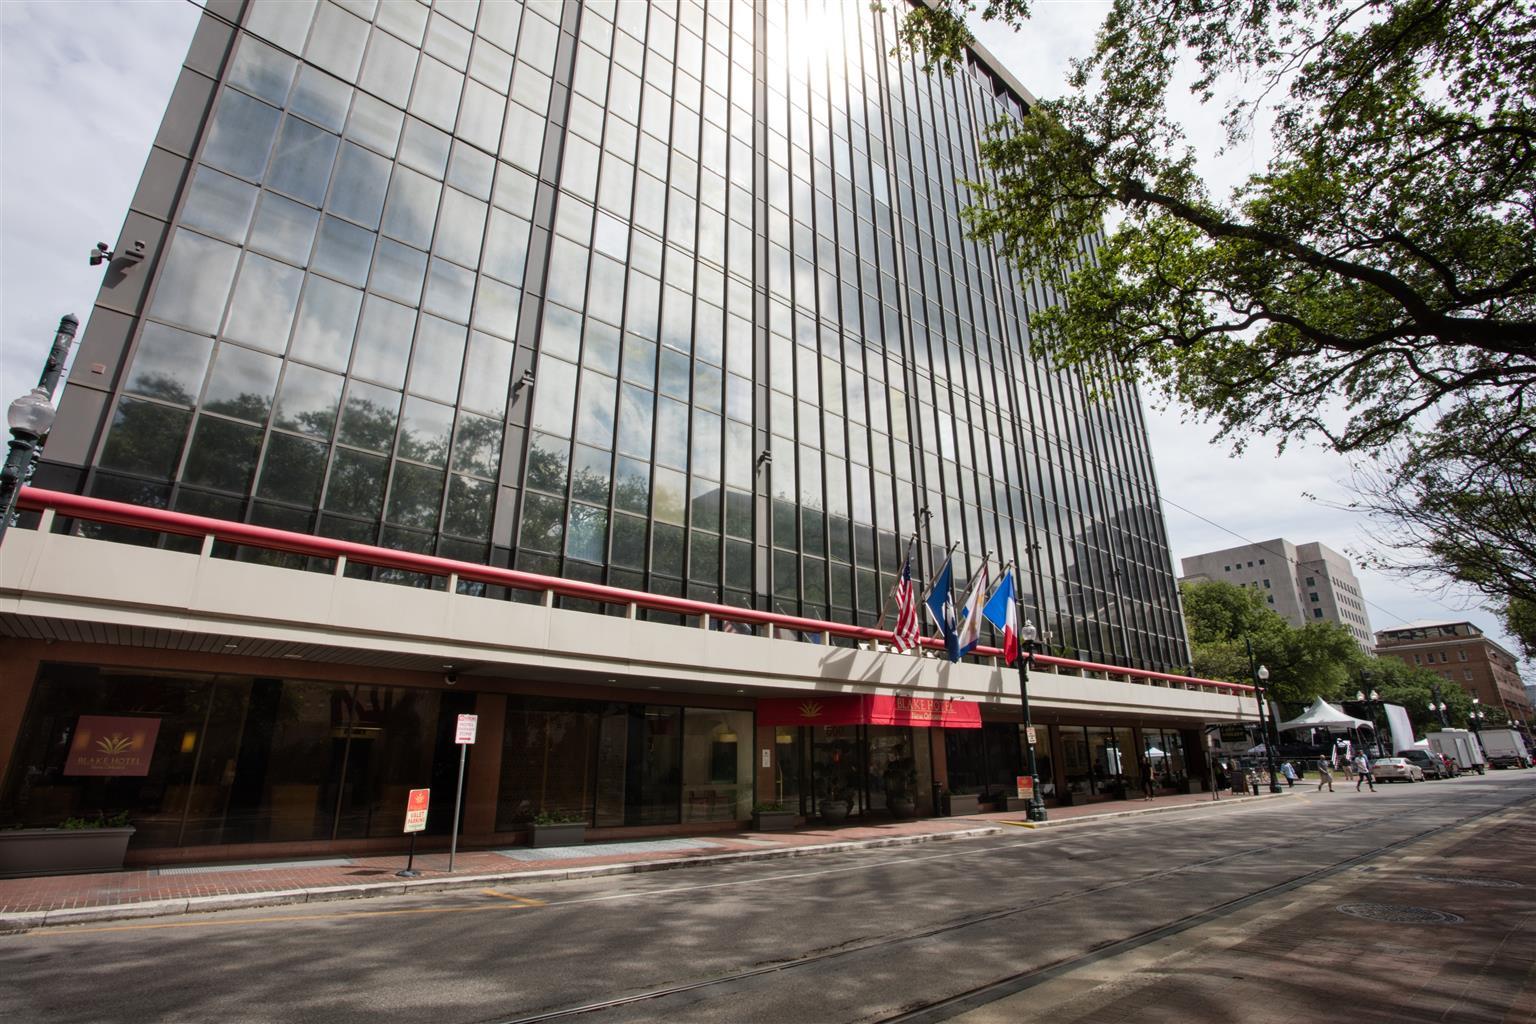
1019	824
516	903
524	900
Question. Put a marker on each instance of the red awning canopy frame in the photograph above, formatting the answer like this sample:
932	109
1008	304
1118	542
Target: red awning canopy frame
869	709
101	510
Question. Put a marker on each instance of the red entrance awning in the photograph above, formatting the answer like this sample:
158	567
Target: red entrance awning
867	709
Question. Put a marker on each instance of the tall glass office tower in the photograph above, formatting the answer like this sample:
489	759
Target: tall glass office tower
673	296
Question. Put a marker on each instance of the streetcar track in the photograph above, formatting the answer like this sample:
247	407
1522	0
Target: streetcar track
948	1007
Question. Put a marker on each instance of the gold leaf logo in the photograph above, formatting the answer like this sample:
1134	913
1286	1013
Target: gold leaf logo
117	743
810	709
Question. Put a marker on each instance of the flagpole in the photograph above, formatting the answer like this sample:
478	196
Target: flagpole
885	603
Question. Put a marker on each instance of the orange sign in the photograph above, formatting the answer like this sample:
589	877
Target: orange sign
416	810
110	745
1026	786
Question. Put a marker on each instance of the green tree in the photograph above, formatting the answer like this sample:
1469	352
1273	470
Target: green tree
1374	286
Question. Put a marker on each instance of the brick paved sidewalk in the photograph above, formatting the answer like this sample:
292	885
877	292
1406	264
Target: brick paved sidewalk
61	899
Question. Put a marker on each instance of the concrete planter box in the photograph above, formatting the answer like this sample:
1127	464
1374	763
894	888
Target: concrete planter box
572	834
62	851
774	821
961	804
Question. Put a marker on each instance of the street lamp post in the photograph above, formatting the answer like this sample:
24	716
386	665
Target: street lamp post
1476	717
1034	808
1438	705
1260	677
1371	703
29	418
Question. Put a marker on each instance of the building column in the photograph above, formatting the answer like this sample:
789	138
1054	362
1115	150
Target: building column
482	784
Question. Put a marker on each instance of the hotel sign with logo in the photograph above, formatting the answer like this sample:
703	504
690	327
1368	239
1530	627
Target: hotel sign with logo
869	709
112	745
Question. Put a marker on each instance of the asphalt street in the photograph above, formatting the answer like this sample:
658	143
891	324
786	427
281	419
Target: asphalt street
1075	923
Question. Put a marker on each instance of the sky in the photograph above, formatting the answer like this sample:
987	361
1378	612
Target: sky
82	89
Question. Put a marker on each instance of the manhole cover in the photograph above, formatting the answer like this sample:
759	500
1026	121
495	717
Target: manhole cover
1397	914
1485	883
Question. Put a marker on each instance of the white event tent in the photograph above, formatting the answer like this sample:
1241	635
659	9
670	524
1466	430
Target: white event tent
1322	715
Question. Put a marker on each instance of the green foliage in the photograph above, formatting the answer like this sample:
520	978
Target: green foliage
773	807
1374	286
101	820
1520	622
559	818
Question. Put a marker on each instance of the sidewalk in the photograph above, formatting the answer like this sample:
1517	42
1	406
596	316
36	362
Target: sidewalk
152	892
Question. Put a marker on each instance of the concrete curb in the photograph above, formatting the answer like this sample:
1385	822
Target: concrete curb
29	920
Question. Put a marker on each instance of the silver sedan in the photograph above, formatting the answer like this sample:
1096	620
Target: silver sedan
1397	768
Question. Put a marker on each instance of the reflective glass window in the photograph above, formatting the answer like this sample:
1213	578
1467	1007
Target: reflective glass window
506	247
242	383
543	527
375	124
415	496
586	534
284	228
384	341
486	373
549	463
398	271
369	417
320	98
307	400
552	391
361	180
450	289
301	164
424	147
469	507
195	281
497	307
219	205
356	487
222	454
411	210
632	485
437	359
262	71
145	438
477	447
590	473
594	410
345	251
293	469
390	67
460	228
168	364
327	321
265	299
240	137
337	41
425	430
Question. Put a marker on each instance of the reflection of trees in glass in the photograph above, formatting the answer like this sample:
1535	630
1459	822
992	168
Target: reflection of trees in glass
162	386
248	405
293	469
478	448
368	424
415	496
543	523
469	507
146	438
357	484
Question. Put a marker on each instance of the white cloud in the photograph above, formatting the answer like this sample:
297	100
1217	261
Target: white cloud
83	86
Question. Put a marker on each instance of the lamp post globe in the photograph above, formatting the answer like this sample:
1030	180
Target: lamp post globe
29	417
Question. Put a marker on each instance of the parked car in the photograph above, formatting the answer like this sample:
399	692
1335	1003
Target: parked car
1396	768
1429	762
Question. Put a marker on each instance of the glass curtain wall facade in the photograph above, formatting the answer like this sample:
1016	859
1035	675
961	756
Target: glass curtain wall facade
672	296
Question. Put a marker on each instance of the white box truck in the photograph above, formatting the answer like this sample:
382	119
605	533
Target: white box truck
1504	748
1460	746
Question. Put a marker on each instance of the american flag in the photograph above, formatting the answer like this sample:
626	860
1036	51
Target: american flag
907	633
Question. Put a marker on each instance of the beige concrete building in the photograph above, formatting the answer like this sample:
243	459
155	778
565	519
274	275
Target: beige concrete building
1303	582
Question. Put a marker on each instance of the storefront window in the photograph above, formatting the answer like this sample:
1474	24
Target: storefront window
546	759
225	759
717	765
835	767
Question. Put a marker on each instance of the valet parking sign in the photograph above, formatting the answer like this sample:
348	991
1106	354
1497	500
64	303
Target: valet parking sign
416	811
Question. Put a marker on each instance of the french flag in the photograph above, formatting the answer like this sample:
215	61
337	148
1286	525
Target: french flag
1003	612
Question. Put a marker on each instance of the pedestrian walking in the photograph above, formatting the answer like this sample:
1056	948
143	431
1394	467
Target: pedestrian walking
1363	772
1148	782
1289	771
1324	774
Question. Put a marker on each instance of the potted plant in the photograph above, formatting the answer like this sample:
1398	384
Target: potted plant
76	846
558	828
773	817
